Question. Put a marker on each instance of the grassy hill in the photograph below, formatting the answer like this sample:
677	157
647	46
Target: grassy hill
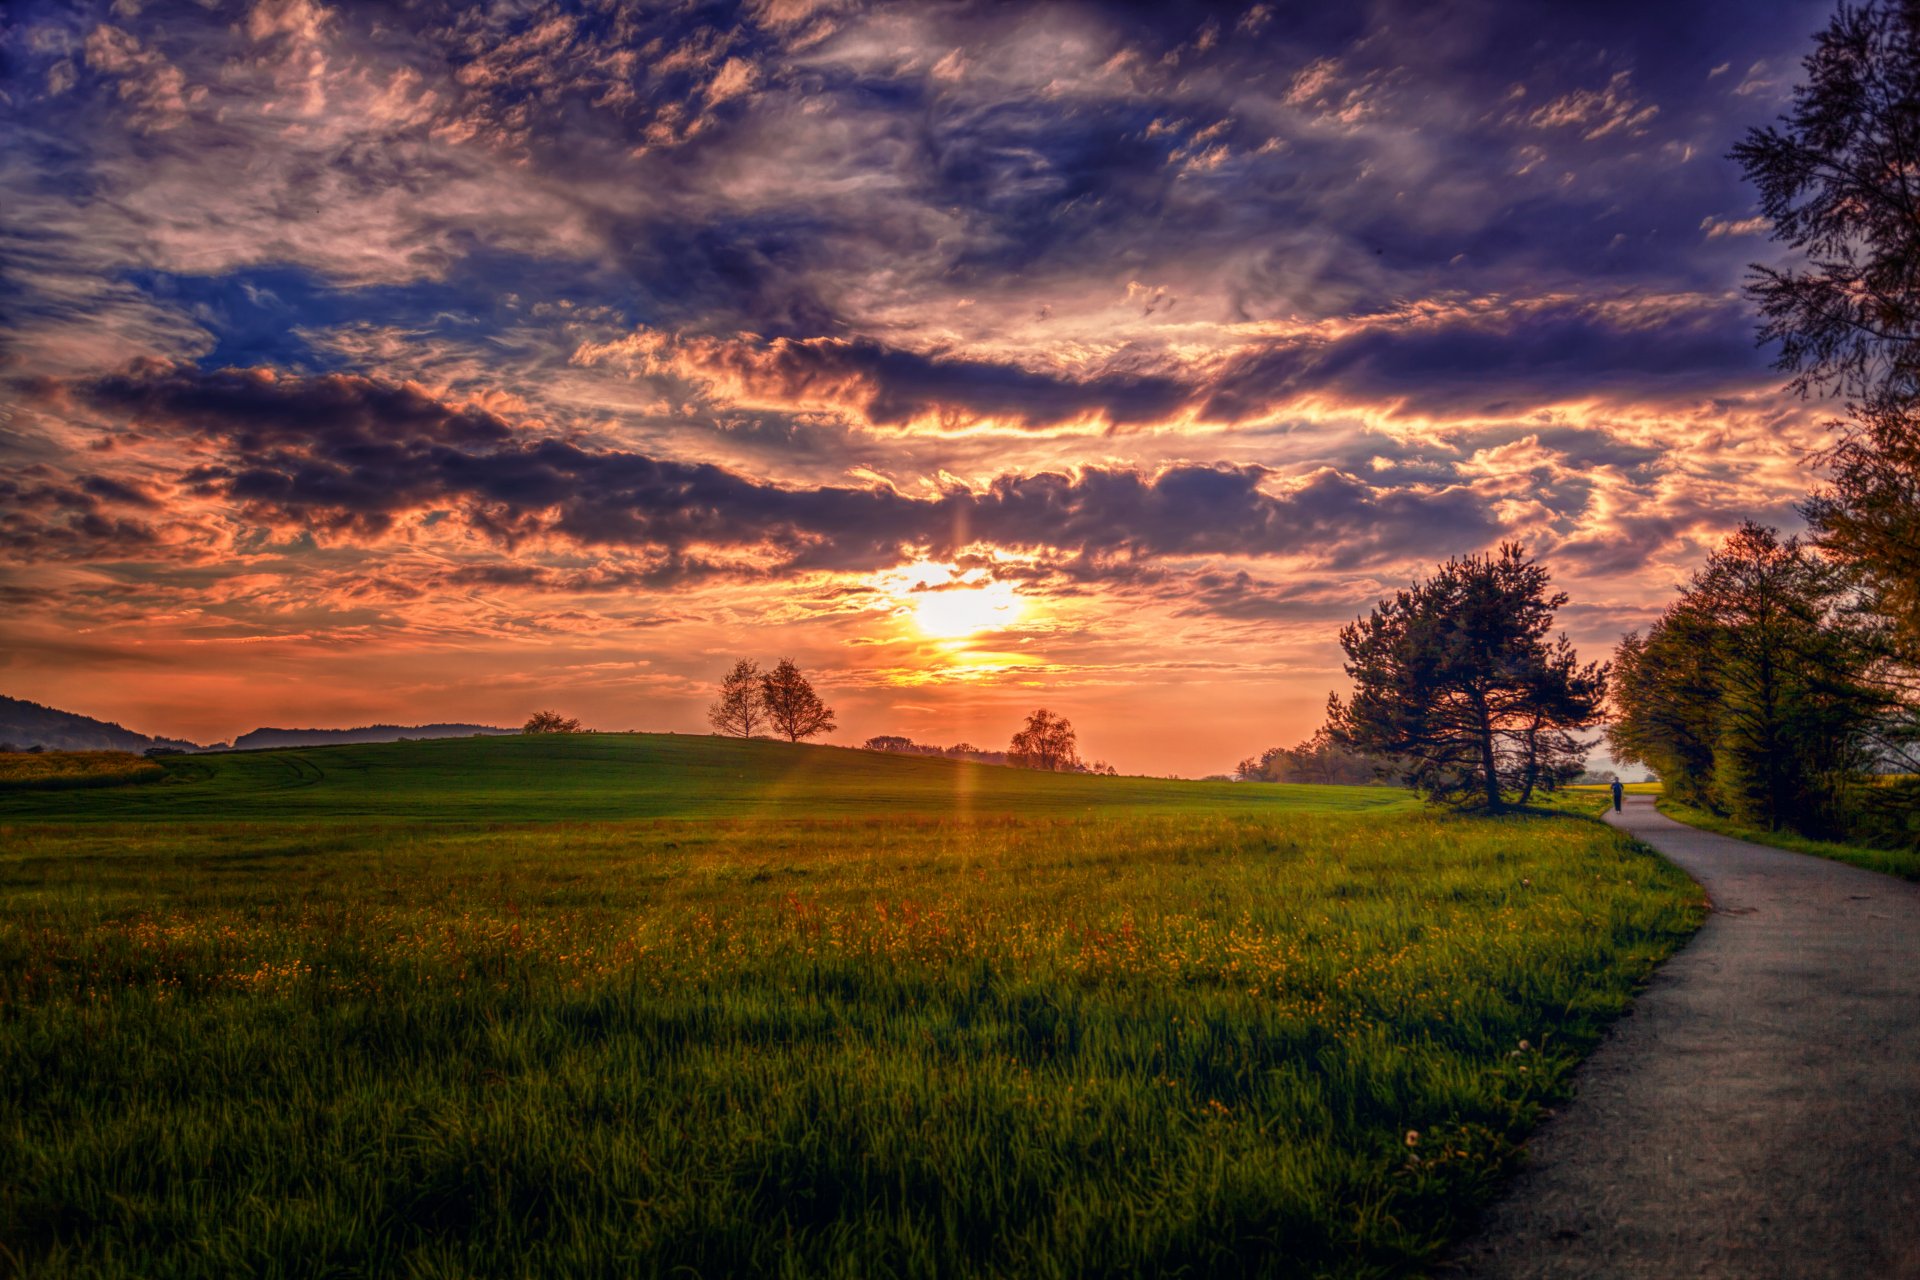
611	777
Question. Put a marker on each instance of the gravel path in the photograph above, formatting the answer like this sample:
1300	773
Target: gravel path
1757	1114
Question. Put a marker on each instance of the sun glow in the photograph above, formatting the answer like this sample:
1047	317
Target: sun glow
960	611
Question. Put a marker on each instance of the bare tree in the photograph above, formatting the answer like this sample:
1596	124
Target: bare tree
1048	742
551	722
791	704
739	713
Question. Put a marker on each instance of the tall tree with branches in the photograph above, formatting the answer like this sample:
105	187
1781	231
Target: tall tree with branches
1047	741
738	712
1839	178
1458	681
1753	694
792	706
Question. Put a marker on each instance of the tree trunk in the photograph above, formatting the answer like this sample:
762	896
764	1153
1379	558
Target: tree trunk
1485	729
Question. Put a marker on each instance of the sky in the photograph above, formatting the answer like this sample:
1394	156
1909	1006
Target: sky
447	361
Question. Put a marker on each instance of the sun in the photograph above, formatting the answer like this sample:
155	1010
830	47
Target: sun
961	611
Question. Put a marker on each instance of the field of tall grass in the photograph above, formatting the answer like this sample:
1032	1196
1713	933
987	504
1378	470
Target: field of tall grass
63	770
1272	1040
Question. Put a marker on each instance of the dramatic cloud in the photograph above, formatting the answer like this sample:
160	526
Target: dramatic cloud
350	455
424	350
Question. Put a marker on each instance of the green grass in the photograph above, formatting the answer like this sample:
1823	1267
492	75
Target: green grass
612	777
1894	862
1052	1030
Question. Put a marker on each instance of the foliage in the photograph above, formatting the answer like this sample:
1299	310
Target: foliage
61	770
551	722
792	706
1836	183
1047	1043
1457	682
1046	742
739	711
1836	179
1753	695
1318	759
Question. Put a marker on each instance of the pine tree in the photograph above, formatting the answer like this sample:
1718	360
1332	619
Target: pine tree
1457	681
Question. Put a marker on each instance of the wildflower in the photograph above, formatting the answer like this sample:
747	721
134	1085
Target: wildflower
1413	1137
1525	1046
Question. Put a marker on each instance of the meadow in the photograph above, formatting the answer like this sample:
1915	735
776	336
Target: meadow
60	770
848	1015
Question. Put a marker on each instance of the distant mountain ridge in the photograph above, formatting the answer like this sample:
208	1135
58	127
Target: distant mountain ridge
263	738
26	724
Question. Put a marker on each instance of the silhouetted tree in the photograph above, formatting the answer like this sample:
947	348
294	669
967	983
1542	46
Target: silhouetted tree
1754	695
1457	681
892	742
1836	177
550	722
738	712
1047	742
792	706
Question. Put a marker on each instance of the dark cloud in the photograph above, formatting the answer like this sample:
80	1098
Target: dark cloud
348	454
45	515
887	386
1501	360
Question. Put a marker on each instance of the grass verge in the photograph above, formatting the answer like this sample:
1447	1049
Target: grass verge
1904	863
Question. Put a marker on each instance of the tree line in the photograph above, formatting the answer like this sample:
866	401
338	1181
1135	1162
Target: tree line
1782	687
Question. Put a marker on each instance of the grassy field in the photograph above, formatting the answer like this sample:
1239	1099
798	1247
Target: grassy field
617	777
1895	862
937	1020
65	770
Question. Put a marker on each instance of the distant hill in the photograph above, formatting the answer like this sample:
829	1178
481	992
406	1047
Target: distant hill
266	738
28	724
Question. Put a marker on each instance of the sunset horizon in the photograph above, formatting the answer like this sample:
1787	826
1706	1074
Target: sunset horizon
448	365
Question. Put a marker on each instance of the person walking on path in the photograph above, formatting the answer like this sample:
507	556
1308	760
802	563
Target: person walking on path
1618	791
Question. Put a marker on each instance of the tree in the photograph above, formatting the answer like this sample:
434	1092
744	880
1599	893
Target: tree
792	706
1755	694
550	722
738	712
1837	178
1666	703
1318	759
1048	742
1457	682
